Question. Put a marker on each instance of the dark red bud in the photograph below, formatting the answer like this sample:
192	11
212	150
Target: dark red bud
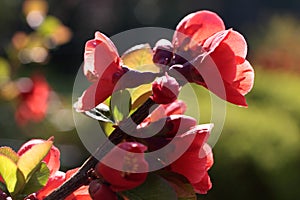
99	191
163	52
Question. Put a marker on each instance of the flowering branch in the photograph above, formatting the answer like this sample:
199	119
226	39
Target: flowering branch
81	177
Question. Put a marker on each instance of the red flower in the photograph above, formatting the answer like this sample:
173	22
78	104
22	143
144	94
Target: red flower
34	94
51	159
165	90
129	157
102	66
196	160
200	43
57	178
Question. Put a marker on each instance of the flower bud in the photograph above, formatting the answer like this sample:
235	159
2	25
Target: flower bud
163	52
165	90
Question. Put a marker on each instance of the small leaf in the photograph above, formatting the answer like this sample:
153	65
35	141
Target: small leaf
12	176
120	105
38	179
181	185
31	159
154	187
100	113
139	57
10	153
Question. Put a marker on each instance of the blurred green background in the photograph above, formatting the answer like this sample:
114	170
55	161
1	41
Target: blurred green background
257	155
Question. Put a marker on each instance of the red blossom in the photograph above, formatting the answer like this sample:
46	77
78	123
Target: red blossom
129	157
33	99
52	159
200	43
102	66
196	160
56	178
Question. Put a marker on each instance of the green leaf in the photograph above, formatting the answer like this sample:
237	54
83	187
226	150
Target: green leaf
12	176
100	113
38	179
181	185
139	57
10	153
29	162
120	105
154	187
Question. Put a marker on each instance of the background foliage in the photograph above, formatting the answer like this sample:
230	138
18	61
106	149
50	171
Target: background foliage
257	155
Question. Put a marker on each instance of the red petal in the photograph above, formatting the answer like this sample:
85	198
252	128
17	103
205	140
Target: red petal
237	44
204	185
70	173
232	95
214	41
244	78
190	166
192	163
93	95
225	60
81	193
99	54
206	151
199	25
177	107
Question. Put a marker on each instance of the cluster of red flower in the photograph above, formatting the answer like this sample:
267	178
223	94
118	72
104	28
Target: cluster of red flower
200	43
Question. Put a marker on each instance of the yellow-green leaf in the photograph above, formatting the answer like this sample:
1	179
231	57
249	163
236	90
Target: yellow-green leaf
10	153
31	159
14	179
139	58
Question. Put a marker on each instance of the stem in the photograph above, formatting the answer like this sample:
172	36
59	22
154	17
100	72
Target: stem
81	176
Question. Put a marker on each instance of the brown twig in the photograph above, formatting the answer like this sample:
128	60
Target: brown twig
81	176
